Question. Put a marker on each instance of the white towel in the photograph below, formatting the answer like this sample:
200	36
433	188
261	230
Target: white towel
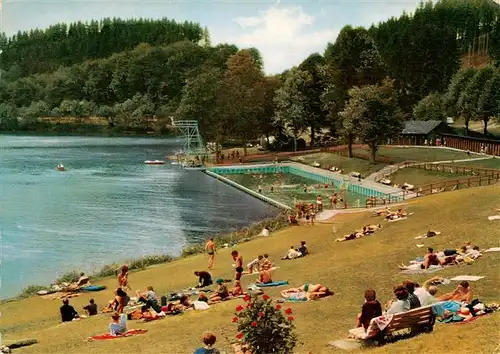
467	277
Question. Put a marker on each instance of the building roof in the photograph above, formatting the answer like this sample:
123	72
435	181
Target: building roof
416	127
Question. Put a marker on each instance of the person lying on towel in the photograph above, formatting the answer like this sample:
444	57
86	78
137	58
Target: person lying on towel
118	325
307	291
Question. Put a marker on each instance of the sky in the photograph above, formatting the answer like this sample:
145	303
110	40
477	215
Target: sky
285	32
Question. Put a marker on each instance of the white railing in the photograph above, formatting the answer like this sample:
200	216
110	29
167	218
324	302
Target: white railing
249	191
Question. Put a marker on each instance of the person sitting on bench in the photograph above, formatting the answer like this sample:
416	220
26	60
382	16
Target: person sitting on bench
401	304
371	309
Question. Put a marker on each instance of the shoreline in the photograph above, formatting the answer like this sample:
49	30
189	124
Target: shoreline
230	239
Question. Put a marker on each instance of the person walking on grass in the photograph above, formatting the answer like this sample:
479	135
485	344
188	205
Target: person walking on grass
210	249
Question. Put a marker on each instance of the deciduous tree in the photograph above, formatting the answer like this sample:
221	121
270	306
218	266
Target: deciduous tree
431	107
240	99
373	114
292	102
489	101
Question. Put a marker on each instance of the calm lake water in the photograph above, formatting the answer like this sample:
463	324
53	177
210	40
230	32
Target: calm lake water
107	206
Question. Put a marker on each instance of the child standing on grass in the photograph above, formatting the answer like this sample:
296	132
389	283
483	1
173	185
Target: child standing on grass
208	339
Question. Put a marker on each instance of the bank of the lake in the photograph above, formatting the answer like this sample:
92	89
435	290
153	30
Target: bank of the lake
108	206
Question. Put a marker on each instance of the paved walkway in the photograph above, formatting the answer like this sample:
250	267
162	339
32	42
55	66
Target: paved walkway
388	170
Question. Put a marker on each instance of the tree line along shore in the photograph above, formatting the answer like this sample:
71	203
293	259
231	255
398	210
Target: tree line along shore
131	76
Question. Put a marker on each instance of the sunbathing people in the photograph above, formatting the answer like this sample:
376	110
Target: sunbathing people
349	237
264	277
118	325
371	309
266	263
396	215
236	290
292	254
462	293
383	212
221	293
255	264
149	298
307	292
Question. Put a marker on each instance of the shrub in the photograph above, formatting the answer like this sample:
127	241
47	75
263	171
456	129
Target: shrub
69	277
31	290
264	327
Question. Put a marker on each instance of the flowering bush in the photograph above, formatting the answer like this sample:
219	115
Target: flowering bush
264	327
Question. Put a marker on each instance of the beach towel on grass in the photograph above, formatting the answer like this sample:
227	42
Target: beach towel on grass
130	332
494	217
425	236
492	249
431	269
467	277
274	283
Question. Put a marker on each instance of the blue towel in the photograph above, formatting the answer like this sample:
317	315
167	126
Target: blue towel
274	283
439	308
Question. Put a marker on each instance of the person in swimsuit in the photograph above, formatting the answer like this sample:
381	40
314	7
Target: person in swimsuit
307	291
430	259
221	292
238	259
210	249
123	278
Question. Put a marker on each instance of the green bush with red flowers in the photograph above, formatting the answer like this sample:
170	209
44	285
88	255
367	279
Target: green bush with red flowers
265	327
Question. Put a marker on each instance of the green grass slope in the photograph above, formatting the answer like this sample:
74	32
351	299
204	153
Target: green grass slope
348	268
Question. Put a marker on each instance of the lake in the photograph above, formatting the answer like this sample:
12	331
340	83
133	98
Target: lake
107	206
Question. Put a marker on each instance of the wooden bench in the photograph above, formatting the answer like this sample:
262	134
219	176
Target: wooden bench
415	321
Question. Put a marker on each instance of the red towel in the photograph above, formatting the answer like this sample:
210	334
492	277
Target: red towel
129	333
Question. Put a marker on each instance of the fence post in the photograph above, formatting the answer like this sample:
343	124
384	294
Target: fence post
430	187
468	182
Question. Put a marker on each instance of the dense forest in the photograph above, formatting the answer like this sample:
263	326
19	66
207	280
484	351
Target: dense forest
39	51
133	75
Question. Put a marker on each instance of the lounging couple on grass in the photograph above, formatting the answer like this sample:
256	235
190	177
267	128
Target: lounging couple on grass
222	293
466	253
366	230
293	253
306	292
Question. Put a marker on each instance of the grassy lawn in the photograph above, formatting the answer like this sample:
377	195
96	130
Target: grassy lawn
400	154
348	268
489	163
327	160
419	177
477	127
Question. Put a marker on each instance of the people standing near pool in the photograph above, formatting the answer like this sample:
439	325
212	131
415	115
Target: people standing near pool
210	249
333	201
319	203
238	260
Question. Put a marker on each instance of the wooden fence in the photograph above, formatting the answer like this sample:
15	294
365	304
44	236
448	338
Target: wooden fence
472	144
452	168
454	184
